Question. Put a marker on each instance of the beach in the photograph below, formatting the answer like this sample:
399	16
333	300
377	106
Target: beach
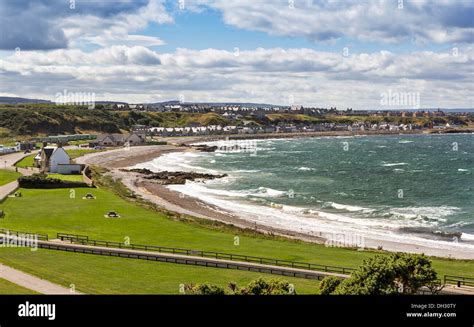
118	159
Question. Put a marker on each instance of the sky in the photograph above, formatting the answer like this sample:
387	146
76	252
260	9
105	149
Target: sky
332	53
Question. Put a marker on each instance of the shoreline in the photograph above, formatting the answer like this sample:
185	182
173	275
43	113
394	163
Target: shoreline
180	203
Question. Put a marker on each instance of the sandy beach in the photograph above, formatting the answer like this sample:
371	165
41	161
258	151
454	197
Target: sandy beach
117	159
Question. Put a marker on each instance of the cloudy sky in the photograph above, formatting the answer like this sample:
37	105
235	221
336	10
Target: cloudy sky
340	53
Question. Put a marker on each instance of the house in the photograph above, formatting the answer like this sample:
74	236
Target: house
135	139
49	158
112	140
108	140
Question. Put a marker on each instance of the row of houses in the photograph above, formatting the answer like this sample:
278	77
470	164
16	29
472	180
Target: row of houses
113	140
219	130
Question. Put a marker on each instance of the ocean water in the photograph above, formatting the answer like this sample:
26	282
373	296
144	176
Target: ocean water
408	188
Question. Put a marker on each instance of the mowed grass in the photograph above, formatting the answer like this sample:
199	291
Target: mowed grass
26	162
8	288
94	274
70	178
7	176
64	210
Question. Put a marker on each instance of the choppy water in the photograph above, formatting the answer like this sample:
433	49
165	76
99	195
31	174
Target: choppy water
392	187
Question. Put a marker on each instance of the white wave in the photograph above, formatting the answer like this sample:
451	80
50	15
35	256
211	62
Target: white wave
346	207
460	169
268	192
429	215
467	237
394	164
405	142
306	168
312	222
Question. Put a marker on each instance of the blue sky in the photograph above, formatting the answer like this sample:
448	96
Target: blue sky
206	29
319	53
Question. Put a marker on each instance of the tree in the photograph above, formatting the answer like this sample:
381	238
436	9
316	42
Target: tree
329	284
397	273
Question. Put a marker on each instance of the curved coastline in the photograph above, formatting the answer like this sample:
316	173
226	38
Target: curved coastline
172	200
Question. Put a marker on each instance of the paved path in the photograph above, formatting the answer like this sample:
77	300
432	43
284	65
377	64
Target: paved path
7	189
32	282
10	159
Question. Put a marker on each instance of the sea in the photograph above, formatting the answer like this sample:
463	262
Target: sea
412	189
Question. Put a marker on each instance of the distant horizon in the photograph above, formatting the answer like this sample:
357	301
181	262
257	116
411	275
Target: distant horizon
235	103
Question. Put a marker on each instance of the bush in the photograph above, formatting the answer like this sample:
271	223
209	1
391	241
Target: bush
204	289
259	286
398	273
329	284
43	182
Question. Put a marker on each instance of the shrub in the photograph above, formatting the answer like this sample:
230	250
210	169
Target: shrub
398	273
204	289
329	284
259	286
43	182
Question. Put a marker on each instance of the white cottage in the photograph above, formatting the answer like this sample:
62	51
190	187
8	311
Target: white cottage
50	158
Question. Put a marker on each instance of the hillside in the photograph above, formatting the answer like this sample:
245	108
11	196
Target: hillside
48	121
26	120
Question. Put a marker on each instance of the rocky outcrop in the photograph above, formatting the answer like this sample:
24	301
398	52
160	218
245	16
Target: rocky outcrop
205	148
174	177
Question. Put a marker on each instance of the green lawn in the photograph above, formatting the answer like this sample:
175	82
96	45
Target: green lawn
79	152
7	287
26	162
7	176
95	274
71	178
59	210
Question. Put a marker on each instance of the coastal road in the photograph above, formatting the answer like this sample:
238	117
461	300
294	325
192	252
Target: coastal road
32	282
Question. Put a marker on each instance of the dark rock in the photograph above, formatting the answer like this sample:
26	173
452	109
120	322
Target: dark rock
174	177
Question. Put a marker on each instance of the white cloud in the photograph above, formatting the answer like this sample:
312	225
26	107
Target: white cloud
377	20
263	75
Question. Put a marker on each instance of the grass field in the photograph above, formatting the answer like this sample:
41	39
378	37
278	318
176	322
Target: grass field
95	274
9	288
52	211
7	176
71	178
26	161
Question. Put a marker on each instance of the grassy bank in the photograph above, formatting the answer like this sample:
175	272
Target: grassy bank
93	274
52	211
7	288
7	176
